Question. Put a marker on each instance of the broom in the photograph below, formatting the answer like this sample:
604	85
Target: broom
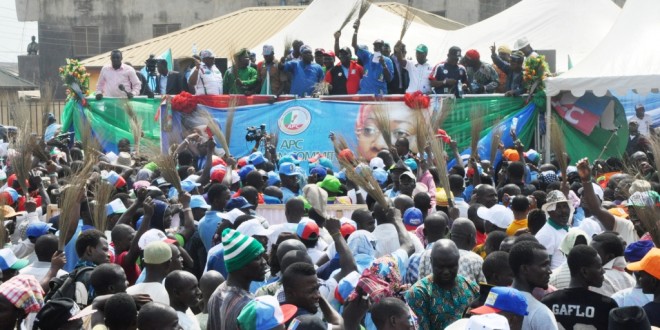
350	15
407	20
288	43
649	216
558	147
364	180
167	166
229	124
437	150
421	127
136	130
495	140
655	149
439	117
21	161
382	121
364	6
321	88
102	194
475	132
71	195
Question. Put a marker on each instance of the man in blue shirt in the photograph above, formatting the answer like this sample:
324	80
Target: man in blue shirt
289	177
377	67
305	73
218	196
450	77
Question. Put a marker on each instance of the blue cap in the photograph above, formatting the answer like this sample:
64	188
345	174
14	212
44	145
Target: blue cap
327	163
319	171
411	163
413	218
245	170
189	185
198	201
637	250
273	178
285	159
37	229
271	200
288	169
341	175
256	158
237	203
380	175
503	299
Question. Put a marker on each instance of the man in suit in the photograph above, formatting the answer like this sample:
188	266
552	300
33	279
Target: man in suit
168	82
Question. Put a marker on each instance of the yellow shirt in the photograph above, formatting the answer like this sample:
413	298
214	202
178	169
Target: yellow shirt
515	226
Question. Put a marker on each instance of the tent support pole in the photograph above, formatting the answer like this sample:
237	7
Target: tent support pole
548	127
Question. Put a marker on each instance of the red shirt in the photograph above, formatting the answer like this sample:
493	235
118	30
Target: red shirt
260	196
132	270
355	73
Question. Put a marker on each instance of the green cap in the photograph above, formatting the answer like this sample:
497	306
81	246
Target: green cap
330	184
151	166
422	48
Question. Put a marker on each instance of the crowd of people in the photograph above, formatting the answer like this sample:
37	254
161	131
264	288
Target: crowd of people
305	71
521	244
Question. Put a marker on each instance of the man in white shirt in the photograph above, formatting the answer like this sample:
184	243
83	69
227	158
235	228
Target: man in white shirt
610	249
184	293
418	72
560	213
644	122
205	78
45	249
157	258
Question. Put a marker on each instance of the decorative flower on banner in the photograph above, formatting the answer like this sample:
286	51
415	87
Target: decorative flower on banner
75	78
417	100
184	102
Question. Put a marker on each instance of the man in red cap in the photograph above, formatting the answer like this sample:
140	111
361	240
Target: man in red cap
482	77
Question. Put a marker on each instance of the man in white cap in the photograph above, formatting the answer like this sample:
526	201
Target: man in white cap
560	213
205	78
643	121
270	76
523	45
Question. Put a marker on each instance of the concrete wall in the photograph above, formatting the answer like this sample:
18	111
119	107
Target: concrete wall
28	68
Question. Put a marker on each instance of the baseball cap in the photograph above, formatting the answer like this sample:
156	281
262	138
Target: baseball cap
650	263
376	162
308	229
8	260
320	172
472	54
189	184
153	235
346	155
273	178
57	312
238	203
252	227
288	169
245	170
305	48
319	51
242	161
499	215
413	218
157	252
268	50
379	41
408	174
38	228
326	163
422	48
207	53
411	163
198	201
455	51
380	175
487	322
256	158
637	250
503	299
218	173
331	184
115	207
141	184
511	155
265	312
347	227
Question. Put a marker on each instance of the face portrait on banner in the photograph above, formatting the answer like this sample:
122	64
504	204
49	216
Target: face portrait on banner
370	140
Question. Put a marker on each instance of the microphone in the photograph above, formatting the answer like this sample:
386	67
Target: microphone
123	89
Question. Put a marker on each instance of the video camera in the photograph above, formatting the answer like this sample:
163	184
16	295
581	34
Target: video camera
65	138
254	133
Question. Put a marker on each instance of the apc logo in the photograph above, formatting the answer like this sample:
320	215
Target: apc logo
294	120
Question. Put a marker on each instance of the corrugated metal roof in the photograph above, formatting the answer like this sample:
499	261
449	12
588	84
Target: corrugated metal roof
224	35
421	16
227	34
9	80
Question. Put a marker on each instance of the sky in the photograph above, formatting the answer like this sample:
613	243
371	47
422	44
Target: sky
15	35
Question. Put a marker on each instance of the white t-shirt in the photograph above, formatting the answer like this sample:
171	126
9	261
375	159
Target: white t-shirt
644	124
419	77
209	81
551	238
539	316
625	228
188	320
156	291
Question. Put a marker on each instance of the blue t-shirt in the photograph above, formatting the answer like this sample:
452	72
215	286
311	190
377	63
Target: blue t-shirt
373	81
70	249
304	76
207	227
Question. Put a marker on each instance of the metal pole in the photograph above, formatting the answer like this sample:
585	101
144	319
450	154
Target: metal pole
548	127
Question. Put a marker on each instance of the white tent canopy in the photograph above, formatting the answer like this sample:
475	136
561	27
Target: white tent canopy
626	59
317	24
571	27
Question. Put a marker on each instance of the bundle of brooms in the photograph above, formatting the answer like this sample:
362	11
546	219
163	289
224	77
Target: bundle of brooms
382	121
365	180
103	192
558	147
407	20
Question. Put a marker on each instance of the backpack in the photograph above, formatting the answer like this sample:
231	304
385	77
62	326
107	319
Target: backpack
65	285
